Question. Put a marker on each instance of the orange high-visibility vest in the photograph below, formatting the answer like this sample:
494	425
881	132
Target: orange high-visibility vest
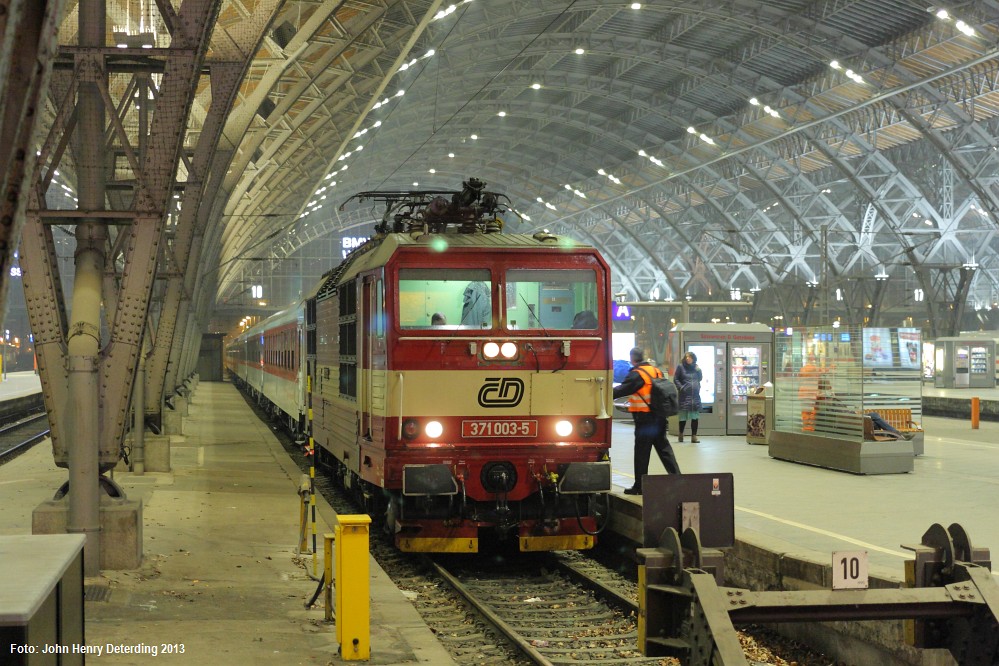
640	400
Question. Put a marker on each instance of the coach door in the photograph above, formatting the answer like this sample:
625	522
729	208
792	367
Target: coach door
366	341
372	359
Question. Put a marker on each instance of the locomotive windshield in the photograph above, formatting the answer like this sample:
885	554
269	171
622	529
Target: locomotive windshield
551	299
448	298
461	299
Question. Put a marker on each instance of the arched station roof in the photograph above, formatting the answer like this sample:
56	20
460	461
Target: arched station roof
794	151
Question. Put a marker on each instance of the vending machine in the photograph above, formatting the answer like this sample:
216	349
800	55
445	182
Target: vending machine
964	362
734	359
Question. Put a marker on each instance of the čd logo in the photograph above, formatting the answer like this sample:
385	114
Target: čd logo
505	392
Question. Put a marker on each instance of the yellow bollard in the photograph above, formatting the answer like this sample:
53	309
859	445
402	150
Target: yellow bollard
975	407
353	607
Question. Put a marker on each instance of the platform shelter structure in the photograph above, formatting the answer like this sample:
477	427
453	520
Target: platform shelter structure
829	383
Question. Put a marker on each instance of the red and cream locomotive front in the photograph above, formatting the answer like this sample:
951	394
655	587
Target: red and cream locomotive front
496	392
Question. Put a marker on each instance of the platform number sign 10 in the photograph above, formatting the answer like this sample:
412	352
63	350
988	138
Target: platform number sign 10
849	570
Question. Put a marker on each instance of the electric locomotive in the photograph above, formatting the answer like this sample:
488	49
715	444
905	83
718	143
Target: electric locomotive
461	377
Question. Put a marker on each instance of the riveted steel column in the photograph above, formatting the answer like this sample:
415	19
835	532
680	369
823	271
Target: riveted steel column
28	43
84	488
83	340
207	169
190	29
139	419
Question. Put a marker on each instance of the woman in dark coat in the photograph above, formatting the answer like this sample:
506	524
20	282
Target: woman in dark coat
687	378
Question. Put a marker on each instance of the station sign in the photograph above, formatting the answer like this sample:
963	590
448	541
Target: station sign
849	570
350	243
620	312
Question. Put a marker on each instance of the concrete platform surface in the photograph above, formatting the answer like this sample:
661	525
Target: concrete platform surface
19	385
221	575
955	481
221	578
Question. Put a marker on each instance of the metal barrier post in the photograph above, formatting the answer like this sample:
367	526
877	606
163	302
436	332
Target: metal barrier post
312	473
305	493
328	579
975	407
353	608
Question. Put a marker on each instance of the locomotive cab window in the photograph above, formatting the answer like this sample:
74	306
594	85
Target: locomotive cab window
552	299
448	298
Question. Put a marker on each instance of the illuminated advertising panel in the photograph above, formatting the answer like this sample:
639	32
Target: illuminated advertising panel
909	348
877	347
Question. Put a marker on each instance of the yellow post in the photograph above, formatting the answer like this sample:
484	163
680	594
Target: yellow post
642	609
353	608
975	407
328	578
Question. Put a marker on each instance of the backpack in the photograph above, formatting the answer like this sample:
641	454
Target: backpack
665	401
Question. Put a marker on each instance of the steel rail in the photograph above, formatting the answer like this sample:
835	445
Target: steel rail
12	452
512	634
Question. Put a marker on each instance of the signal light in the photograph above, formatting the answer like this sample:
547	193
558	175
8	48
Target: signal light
563	428
587	427
434	429
410	429
490	350
509	350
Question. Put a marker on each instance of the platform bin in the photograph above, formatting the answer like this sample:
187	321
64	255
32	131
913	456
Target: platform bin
759	417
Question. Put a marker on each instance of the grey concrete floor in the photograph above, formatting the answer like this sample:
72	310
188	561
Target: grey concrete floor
221	575
955	481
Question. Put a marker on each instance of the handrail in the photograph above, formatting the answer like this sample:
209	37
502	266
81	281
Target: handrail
398	376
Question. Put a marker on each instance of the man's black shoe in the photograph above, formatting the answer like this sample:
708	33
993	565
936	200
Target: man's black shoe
634	490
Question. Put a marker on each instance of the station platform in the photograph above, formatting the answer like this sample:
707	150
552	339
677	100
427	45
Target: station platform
20	392
19	384
220	574
222	577
956	480
956	402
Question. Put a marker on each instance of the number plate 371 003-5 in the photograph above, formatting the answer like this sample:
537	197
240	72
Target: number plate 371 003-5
506	428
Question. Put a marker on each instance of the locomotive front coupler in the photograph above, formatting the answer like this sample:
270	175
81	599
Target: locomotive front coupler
457	513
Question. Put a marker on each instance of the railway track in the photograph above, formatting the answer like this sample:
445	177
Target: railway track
19	435
551	618
517	609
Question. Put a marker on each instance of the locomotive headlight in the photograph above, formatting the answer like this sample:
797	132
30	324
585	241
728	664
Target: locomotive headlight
490	350
563	428
587	427
410	429
434	429
509	349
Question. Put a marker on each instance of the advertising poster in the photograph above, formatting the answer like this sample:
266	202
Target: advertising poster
929	361
621	344
877	348
909	348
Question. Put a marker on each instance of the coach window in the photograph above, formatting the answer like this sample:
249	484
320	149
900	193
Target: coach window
552	299
462	295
